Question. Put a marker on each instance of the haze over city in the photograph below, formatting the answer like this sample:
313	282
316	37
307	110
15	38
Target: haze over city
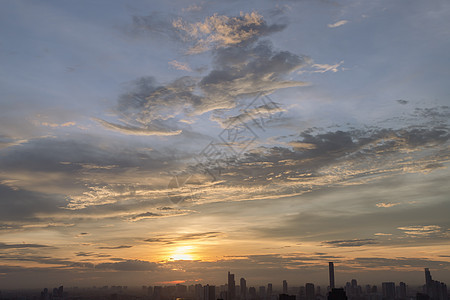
169	142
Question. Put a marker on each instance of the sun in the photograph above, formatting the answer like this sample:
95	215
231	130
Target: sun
182	253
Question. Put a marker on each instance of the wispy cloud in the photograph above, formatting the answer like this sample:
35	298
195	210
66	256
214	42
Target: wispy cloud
243	66
128	265
115	247
322	68
162	214
185	237
55	125
180	65
419	230
338	23
219	31
386	205
133	130
21	246
350	243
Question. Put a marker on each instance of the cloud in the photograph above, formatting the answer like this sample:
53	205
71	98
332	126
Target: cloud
408	263
163	214
22	206
21	246
258	115
115	247
218	31
300	145
180	66
55	125
338	23
6	141
403	102
386	205
185	237
350	243
192	7
157	23
128	265
322	68
419	230
243	67
132	130
91	254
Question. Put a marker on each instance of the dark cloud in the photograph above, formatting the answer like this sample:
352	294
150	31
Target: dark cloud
219	31
21	205
145	215
45	260
243	67
128	265
336	222
21	246
401	101
158	23
70	155
7	141
115	247
373	262
91	254
433	113
55	171
350	243
166	208
185	237
133	130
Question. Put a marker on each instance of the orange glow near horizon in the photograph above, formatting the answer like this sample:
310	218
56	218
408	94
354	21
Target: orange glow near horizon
182	253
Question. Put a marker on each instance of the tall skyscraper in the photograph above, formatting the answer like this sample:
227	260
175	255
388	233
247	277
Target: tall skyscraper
252	293
262	292
310	291
401	292
243	289
388	290
428	278
331	271
231	295
269	291
285	287
436	290
198	292
209	292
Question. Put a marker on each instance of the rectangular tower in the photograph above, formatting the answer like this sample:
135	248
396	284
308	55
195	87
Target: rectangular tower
331	271
231	295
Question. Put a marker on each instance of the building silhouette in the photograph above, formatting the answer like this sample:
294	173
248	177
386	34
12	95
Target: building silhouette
262	292
251	293
337	294
388	290
285	287
435	290
401	291
269	291
310	292
209	292
331	274
286	297
243	292
231	295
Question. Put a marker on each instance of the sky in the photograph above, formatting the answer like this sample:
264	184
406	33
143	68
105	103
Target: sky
152	142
